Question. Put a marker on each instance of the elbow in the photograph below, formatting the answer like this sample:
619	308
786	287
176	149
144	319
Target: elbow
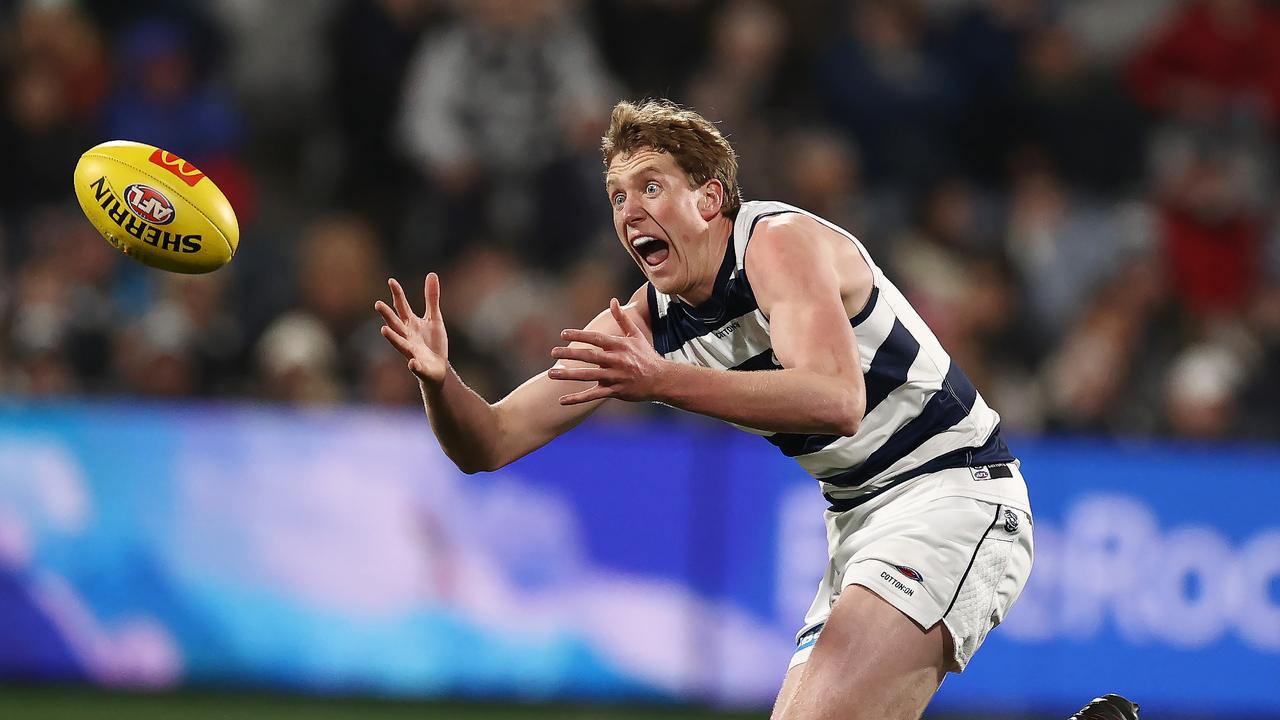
848	414
475	465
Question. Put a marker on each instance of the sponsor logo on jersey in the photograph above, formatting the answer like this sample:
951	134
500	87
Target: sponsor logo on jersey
149	204
727	330
183	170
118	211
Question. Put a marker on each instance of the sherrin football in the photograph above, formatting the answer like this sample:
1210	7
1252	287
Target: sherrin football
156	207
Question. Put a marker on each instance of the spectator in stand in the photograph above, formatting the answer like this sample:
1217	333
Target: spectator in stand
1064	246
163	96
503	112
63	317
39	134
297	361
340	268
742	84
1210	60
983	43
155	355
370	45
60	35
684	26
892	93
1202	392
823	174
1212	231
1079	116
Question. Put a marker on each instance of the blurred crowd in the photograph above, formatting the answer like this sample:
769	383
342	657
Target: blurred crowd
1077	195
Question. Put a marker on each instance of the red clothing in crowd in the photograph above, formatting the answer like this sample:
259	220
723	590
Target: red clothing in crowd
1213	57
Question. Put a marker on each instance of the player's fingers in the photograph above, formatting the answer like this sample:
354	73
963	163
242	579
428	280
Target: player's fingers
431	289
628	328
593	355
390	318
599	392
588	374
398	341
398	298
600	340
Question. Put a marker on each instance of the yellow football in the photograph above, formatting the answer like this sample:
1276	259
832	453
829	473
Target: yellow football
156	207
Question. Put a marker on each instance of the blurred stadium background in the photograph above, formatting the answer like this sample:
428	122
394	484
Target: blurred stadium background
218	496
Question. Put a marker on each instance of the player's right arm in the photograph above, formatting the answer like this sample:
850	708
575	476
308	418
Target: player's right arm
476	435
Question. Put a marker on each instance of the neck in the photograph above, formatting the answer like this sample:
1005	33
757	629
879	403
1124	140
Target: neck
717	240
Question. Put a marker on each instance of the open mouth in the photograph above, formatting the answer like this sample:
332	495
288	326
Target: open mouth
653	251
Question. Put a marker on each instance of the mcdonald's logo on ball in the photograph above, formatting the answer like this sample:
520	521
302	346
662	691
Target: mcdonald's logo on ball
185	171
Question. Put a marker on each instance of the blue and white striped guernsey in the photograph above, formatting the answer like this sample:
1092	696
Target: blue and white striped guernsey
922	414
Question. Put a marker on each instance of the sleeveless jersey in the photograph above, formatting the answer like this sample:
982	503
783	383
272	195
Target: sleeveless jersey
922	412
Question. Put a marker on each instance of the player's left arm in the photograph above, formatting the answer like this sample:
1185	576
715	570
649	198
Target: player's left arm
796	279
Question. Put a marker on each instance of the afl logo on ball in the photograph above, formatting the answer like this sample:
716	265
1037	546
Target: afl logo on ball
149	204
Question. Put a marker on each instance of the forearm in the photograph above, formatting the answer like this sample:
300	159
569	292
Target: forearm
466	424
790	400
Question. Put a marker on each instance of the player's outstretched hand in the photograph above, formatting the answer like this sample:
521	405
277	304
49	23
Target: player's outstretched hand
420	339
626	366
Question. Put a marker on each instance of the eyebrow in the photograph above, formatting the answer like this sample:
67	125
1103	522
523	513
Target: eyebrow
611	181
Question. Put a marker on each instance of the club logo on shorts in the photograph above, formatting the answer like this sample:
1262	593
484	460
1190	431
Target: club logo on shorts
981	473
1010	521
149	204
911	573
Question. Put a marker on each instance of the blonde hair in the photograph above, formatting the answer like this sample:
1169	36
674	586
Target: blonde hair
692	140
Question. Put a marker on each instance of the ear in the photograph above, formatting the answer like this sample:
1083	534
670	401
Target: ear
711	199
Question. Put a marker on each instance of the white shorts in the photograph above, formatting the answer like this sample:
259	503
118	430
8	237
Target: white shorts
952	546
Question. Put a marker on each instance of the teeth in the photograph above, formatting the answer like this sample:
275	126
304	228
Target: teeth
642	240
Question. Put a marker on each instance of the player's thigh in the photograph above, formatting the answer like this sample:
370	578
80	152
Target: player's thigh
871	661
790	685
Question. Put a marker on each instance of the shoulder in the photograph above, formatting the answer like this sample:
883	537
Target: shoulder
797	255
786	240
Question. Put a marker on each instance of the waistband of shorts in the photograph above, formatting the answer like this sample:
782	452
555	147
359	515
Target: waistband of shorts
993	454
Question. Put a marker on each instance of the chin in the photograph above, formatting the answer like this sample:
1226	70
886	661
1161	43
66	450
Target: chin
663	285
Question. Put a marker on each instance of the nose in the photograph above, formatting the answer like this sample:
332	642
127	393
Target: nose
632	212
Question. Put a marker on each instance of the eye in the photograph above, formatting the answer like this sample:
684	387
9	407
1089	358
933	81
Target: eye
651	188
617	199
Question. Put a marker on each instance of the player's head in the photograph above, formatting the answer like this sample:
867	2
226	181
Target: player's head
669	174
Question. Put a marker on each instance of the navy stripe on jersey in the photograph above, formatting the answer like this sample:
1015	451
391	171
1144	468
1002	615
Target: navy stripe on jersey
866	310
652	293
948	406
762	361
887	373
683	323
751	231
889	367
993	452
793	444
